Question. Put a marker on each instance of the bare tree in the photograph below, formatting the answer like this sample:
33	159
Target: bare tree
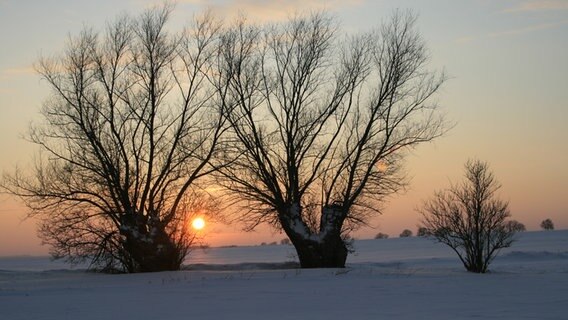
547	224
470	219
381	235
405	233
128	131
319	125
516	225
422	232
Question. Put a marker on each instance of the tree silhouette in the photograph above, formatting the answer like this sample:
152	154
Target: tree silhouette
470	219
129	129
319	126
405	233
547	224
516	225
422	232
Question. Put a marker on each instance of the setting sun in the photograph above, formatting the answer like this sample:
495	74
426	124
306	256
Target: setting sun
198	223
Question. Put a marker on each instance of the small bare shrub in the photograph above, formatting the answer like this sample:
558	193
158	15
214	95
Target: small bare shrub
470	219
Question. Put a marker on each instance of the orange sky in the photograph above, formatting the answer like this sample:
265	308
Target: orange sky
507	94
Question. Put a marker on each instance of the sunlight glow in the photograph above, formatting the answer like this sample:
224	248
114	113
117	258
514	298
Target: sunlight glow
198	223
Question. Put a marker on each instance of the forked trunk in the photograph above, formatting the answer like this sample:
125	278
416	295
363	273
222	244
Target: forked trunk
326	249
330	252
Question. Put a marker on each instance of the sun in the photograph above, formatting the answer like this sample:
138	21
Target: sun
198	223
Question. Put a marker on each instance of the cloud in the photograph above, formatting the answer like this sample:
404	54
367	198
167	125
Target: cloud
537	27
272	10
15	72
464	40
540	5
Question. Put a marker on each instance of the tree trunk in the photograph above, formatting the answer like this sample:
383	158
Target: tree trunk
325	249
151	250
330	252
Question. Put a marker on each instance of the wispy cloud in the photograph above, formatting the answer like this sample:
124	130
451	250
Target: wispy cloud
465	39
539	5
15	72
528	29
511	32
273	10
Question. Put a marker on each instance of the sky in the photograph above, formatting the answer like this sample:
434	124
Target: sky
507	95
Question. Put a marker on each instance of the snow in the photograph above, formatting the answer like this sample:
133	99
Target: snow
402	278
300	227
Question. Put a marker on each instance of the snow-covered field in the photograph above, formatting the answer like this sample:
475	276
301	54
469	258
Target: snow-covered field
408	278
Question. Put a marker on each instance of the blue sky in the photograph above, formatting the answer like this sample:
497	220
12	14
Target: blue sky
508	95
